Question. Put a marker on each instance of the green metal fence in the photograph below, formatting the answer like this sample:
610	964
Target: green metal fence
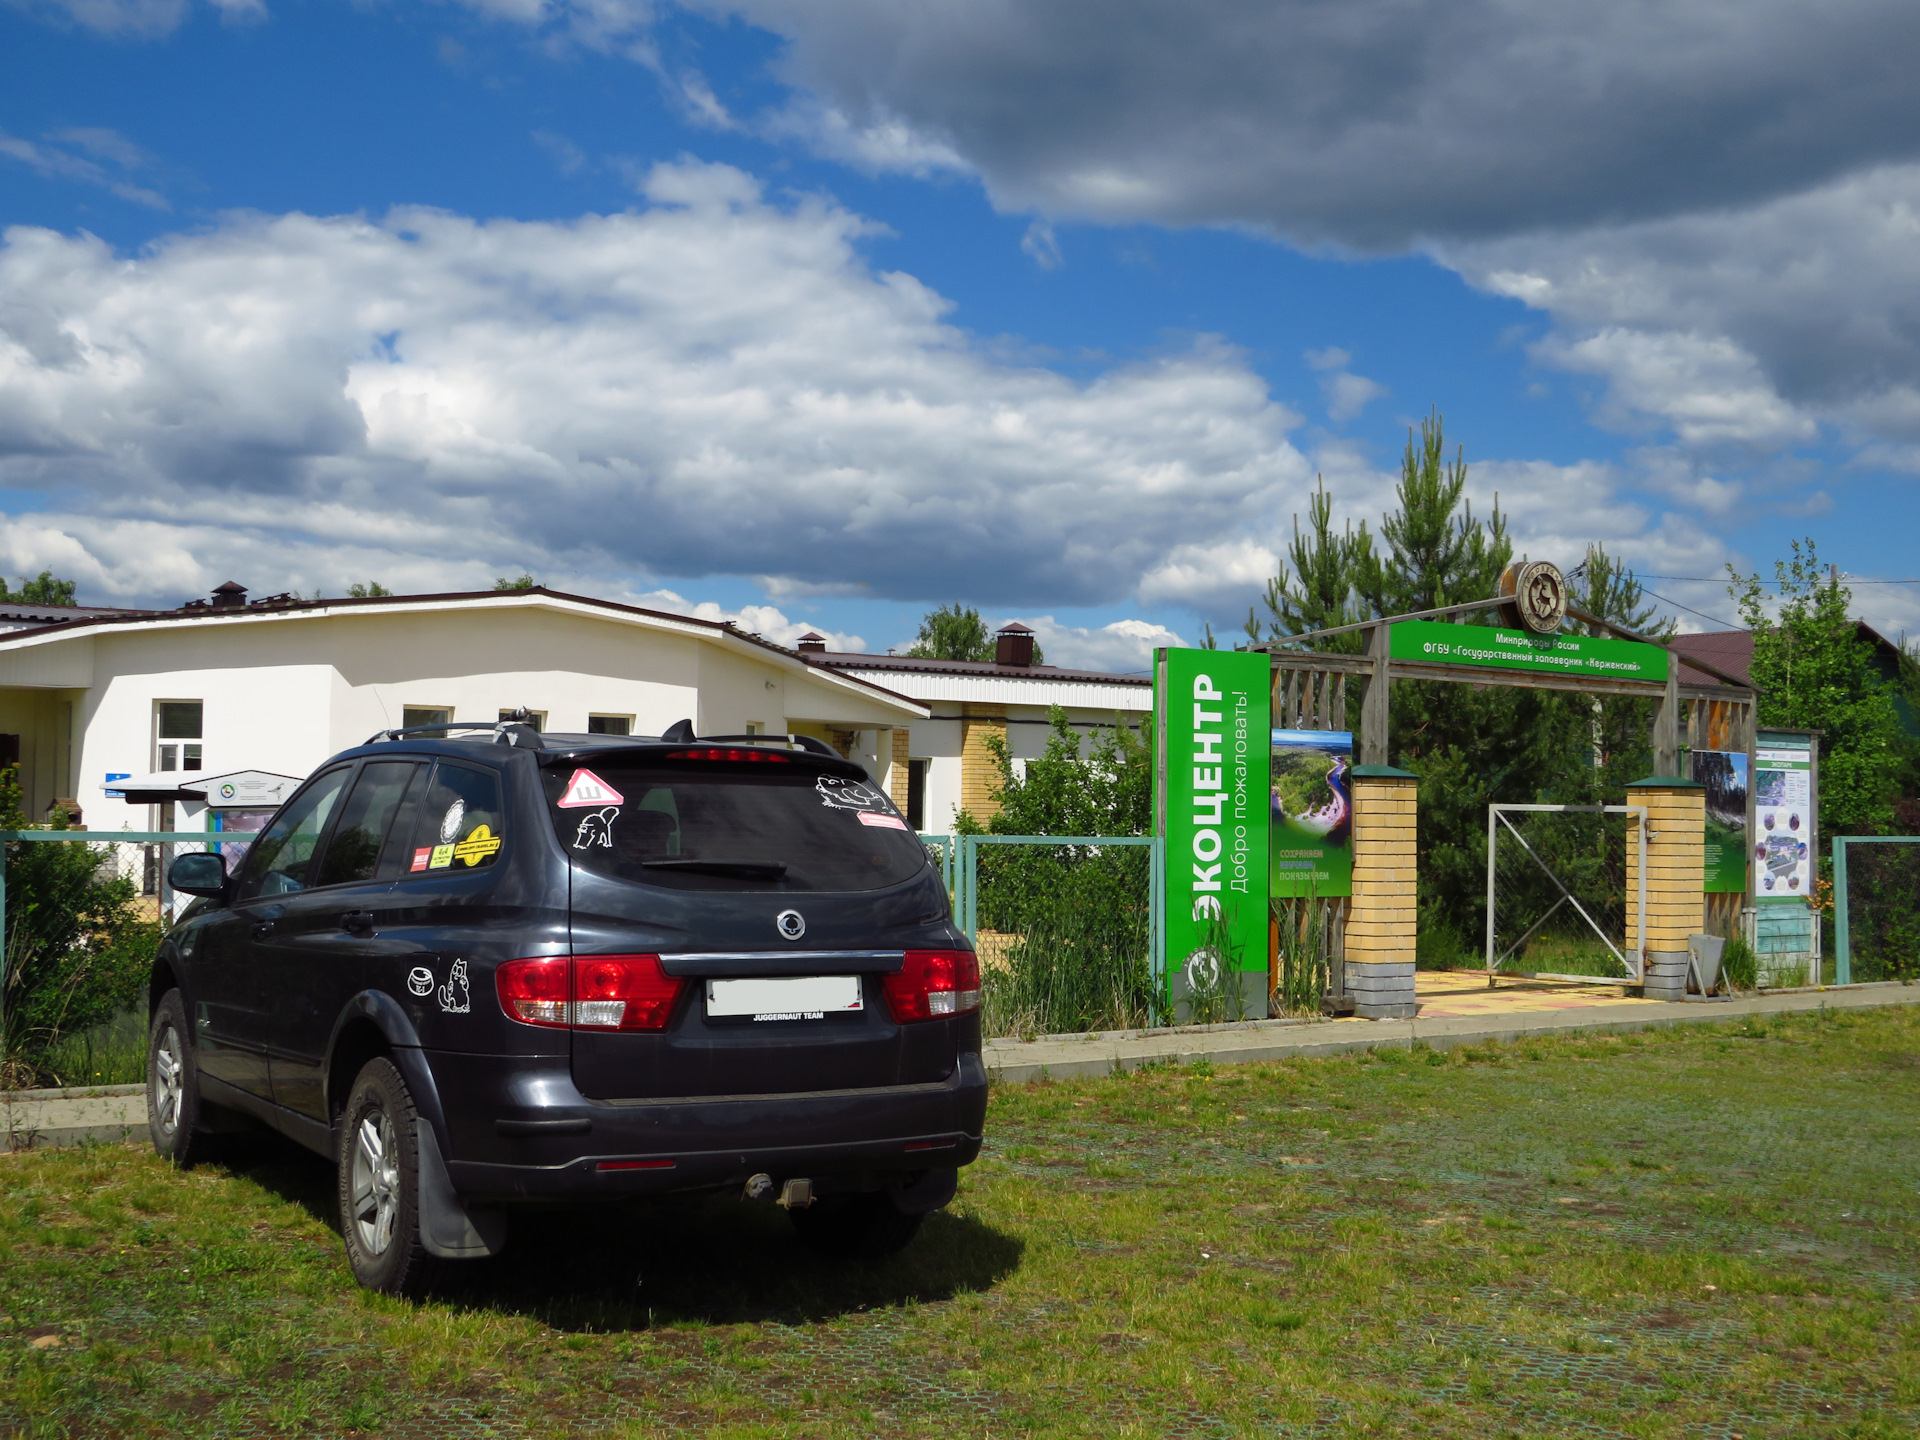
1889	908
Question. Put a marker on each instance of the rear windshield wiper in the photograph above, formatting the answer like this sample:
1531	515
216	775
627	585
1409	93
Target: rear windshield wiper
745	869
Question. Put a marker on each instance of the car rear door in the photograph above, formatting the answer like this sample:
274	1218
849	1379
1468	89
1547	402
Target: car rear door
856	894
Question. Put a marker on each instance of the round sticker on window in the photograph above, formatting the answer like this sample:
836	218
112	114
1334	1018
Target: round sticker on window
450	822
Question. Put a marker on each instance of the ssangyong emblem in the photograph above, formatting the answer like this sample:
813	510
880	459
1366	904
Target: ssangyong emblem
790	923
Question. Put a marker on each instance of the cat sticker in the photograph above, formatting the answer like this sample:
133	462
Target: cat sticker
596	828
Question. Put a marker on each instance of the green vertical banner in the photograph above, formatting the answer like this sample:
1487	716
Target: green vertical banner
1212	711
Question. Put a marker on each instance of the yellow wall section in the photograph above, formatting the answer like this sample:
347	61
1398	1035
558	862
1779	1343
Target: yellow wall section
897	776
1385	870
979	771
1676	854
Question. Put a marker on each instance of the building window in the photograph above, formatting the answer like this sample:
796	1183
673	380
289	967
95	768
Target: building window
917	793
609	724
535	720
178	746
412	716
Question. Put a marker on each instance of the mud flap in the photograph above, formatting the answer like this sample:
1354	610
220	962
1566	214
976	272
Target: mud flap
447	1228
930	1191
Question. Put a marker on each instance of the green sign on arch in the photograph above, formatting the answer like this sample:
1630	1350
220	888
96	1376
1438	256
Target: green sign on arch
1435	642
1211	802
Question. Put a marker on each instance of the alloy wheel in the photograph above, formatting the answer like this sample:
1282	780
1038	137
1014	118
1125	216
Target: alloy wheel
169	1074
376	1182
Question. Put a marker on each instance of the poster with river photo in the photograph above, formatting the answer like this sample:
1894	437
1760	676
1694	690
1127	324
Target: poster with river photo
1723	773
1311	852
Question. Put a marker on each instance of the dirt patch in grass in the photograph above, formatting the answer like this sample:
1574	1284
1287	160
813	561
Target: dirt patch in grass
1651	1236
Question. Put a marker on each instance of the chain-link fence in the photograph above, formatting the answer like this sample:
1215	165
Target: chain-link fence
1557	893
81	912
1067	928
1876	907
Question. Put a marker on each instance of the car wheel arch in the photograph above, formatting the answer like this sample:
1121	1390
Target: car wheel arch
373	1024
162	977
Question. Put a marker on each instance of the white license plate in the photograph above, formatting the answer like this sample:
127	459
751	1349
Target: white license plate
787	997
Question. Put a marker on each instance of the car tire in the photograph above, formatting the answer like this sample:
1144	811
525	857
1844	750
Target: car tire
379	1183
175	1112
855	1227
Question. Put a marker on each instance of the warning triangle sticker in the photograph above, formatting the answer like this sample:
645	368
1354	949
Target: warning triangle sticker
588	789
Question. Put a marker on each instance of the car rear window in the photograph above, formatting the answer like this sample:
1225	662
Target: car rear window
731	827
461	826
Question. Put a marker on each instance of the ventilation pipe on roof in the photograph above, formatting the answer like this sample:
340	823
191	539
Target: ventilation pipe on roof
230	596
812	643
1013	645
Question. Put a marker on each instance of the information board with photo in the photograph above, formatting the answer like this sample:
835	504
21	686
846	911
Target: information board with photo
1311	852
1723	774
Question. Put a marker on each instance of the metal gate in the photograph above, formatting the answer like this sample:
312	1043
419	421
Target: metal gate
1544	899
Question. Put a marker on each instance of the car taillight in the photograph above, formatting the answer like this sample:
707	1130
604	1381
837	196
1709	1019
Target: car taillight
588	992
622	992
535	991
933	984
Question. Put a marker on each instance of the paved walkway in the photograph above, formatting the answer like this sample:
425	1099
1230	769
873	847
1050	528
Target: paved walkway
1465	992
1456	1008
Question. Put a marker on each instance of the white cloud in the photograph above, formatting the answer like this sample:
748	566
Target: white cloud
54	158
1214	579
1123	647
1040	245
715	383
568	157
1738	330
763	620
1347	395
879	144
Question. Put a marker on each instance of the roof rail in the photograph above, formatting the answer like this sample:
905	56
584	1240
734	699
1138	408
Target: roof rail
395	734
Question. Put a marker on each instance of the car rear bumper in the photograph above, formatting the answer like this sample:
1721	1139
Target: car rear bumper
519	1130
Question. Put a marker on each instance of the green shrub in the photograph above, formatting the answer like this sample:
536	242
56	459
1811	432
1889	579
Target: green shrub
77	952
1740	965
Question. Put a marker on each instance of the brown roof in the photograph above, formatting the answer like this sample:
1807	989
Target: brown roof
1728	650
916	665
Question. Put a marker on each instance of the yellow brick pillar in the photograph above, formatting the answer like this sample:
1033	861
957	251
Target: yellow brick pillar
897	776
1381	925
979	771
1676	854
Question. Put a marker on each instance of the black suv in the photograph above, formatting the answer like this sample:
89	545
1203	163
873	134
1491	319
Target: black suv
515	968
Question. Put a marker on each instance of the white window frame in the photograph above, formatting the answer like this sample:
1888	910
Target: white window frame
171	753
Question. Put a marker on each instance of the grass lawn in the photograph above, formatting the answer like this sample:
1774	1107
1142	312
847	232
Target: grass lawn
1709	1233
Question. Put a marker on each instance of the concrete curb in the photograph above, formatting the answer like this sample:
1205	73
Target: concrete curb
1018	1062
103	1114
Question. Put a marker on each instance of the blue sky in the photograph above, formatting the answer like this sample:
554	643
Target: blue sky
818	315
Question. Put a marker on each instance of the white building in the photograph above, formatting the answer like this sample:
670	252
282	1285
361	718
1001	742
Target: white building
941	764
143	702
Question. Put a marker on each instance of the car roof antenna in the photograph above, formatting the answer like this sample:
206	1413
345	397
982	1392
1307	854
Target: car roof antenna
680	732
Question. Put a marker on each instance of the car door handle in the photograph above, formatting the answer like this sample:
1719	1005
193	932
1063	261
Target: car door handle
357	922
262	929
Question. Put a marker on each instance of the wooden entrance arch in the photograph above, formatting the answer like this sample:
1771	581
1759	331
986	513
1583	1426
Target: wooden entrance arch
1377	923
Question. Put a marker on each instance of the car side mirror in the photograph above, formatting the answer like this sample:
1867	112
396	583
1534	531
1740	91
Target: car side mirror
199	874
